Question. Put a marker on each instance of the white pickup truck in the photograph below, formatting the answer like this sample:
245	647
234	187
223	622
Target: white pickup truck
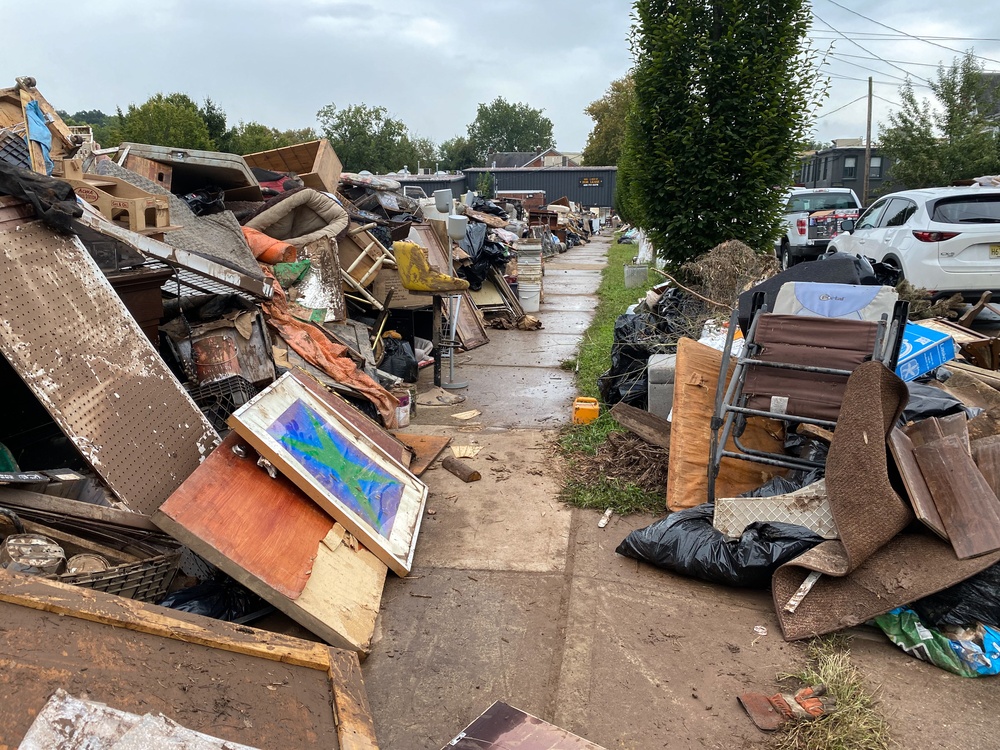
812	218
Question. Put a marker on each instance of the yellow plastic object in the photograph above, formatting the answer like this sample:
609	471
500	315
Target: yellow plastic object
585	410
418	275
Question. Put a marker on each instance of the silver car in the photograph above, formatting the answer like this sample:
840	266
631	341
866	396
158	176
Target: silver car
945	240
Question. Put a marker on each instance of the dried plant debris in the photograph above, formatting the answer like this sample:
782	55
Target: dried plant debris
727	270
627	458
921	307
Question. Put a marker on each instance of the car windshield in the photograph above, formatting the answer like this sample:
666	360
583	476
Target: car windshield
820	202
973	209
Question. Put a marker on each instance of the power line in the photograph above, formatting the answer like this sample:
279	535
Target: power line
827	114
863	49
901	62
900	31
881	36
880	83
883	99
865	67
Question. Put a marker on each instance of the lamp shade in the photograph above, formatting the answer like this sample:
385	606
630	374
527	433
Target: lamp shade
442	200
457	226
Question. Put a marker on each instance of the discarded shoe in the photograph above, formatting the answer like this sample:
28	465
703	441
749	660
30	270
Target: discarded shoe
769	712
418	275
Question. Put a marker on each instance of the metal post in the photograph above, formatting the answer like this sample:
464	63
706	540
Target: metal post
868	145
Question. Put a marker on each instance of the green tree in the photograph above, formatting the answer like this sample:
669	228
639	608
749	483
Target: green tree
935	143
368	138
215	121
100	123
503	126
458	153
722	93
165	120
609	113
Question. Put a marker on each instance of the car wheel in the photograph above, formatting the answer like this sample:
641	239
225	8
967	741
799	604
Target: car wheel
787	261
896	266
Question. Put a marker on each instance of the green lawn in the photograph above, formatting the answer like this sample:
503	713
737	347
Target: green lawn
580	441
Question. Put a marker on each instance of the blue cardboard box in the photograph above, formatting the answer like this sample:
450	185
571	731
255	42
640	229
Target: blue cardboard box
923	350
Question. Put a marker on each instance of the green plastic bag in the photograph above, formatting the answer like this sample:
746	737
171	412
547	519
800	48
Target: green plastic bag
975	657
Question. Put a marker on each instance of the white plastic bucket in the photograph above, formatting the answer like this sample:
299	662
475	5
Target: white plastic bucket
636	276
530	296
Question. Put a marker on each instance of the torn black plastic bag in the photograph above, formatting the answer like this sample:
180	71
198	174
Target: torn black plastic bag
928	401
686	543
399	360
626	380
221	598
972	601
483	254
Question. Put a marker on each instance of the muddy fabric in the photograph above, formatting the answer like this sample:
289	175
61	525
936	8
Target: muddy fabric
870	569
54	200
317	349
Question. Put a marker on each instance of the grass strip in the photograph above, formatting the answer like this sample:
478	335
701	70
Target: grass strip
857	723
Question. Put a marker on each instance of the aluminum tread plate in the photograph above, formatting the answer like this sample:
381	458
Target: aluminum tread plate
70	338
812	510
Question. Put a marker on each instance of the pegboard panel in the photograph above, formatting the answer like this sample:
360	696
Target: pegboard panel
70	338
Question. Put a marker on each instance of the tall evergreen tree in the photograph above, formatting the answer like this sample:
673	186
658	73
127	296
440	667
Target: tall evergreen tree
722	89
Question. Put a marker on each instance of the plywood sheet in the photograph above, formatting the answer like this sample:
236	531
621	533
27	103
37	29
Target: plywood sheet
271	537
230	681
348	475
695	379
73	342
969	509
986	454
425	449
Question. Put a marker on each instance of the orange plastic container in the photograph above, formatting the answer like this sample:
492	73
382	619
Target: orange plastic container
585	410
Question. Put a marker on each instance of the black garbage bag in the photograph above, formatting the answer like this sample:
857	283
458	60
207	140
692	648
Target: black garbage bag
54	200
399	360
928	401
635	338
975	599
220	598
685	542
489	207
483	254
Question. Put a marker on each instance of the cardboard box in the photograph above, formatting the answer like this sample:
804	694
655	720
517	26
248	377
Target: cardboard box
923	350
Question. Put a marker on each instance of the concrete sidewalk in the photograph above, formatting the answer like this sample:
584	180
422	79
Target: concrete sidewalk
516	597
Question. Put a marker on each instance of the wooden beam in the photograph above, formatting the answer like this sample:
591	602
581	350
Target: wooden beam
108	609
651	428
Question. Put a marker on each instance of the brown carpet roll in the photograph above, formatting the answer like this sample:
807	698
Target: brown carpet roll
868	513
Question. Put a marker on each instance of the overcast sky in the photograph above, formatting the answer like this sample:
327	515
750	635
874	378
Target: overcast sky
430	62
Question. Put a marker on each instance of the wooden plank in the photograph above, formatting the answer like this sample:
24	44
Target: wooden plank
268	535
15	499
924	509
350	477
969	509
651	428
355	727
934	428
986	454
108	609
231	681
425	449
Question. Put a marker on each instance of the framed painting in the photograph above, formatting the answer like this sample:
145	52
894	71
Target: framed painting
347	474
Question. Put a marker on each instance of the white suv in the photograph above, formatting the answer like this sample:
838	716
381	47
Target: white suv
946	240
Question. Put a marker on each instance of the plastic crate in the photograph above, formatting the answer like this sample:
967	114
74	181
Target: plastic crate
145	580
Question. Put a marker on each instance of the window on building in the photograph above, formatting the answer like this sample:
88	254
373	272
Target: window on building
875	170
824	167
850	167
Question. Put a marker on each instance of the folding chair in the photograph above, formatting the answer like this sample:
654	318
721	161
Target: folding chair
793	368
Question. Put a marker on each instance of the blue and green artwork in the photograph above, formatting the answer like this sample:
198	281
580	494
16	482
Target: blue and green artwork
338	466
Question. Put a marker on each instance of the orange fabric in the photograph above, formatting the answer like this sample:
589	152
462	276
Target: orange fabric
267	249
310	343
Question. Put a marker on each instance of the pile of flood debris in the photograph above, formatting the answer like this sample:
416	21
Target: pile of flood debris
824	444
207	358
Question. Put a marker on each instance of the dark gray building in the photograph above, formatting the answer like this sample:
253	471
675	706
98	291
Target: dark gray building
843	166
588	186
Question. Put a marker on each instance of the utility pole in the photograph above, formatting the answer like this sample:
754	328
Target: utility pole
868	145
